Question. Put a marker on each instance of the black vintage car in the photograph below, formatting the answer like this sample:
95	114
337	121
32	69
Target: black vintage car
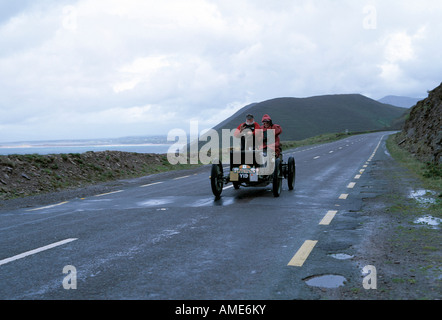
253	168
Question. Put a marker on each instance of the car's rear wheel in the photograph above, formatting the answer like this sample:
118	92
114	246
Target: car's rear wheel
277	178
291	168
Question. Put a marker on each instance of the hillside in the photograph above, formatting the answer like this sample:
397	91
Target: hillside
398	101
422	134
302	118
30	174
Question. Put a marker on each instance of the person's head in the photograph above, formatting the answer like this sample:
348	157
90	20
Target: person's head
250	119
266	121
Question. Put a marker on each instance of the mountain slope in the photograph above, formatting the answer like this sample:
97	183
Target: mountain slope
398	101
302	118
422	133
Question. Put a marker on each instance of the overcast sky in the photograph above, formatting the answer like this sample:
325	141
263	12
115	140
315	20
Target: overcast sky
114	68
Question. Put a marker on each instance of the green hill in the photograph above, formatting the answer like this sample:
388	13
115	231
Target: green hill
302	118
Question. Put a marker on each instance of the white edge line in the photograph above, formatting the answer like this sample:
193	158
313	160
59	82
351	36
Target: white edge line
150	184
181	177
105	194
48	207
28	253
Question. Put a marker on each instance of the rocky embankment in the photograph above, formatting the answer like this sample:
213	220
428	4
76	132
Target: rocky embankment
422	132
24	175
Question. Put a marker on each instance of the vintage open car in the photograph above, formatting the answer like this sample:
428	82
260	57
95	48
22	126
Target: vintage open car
253	168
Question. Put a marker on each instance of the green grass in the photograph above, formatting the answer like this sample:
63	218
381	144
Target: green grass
323	138
430	174
418	240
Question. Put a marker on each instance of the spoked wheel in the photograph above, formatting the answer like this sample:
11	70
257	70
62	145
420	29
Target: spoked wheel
216	179
277	178
291	168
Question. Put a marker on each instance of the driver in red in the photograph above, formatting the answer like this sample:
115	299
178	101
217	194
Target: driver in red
249	132
267	124
247	127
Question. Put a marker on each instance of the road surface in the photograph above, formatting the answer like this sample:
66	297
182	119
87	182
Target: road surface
170	238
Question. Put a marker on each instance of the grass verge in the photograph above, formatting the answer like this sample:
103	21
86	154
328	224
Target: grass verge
429	174
323	138
415	235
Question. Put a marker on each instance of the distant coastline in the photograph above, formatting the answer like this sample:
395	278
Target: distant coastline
58	149
157	144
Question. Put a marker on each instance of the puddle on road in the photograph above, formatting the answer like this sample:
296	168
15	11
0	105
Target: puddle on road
155	202
429	220
341	256
329	281
423	196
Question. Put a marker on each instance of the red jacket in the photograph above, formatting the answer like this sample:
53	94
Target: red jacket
278	131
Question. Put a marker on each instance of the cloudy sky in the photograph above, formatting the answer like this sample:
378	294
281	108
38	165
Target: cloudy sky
113	68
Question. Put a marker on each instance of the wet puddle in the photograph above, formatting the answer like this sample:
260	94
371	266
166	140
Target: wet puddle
429	220
423	196
155	202
341	256
329	281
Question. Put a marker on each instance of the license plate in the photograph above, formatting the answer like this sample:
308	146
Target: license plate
253	177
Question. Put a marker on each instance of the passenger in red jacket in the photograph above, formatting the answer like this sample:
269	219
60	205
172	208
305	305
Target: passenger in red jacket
267	124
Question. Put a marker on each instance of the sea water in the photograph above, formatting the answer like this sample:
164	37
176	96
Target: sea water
58	149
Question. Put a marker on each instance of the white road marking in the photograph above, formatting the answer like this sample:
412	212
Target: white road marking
48	207
181	177
28	253
150	184
228	187
105	194
317	157
343	196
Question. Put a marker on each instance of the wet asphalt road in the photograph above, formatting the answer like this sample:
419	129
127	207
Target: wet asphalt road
170	239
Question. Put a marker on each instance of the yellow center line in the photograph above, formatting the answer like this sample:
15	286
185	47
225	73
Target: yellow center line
351	185
328	217
302	254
